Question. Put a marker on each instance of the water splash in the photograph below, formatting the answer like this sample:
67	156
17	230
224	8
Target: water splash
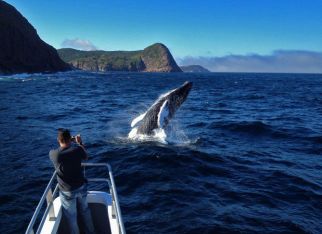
173	134
158	135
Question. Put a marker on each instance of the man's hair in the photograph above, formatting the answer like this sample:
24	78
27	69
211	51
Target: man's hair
63	135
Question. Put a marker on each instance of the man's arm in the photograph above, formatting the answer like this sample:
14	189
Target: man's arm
53	157
84	153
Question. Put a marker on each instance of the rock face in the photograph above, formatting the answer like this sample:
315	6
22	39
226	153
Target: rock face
194	68
155	58
21	49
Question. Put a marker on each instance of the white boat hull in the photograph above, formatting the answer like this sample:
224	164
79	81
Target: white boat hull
105	221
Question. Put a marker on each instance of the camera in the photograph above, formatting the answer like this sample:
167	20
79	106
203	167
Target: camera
73	138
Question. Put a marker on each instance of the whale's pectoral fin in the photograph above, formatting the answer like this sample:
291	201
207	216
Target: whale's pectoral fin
137	119
163	115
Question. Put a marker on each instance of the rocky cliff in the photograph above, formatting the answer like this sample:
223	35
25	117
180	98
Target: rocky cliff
155	58
21	49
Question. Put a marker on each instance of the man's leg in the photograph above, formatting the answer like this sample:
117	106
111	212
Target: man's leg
68	201
85	212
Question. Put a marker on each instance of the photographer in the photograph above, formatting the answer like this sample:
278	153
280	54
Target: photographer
71	181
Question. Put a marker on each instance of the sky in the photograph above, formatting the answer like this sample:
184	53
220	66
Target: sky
222	35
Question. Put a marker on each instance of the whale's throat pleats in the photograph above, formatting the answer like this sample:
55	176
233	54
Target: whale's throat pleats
163	115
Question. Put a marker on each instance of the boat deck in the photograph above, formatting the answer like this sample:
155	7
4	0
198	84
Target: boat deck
104	208
100	220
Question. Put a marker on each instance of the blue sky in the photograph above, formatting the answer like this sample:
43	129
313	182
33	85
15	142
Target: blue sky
207	28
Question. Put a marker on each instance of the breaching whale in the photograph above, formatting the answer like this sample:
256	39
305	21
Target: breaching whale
162	111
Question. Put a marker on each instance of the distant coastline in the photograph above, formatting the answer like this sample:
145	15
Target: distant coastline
154	58
193	68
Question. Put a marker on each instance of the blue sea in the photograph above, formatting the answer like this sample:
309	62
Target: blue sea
242	155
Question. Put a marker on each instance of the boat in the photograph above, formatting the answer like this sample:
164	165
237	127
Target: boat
104	206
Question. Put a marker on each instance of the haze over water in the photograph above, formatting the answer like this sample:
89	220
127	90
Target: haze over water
243	152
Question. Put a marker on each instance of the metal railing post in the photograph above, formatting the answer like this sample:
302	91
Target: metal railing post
115	198
49	198
30	228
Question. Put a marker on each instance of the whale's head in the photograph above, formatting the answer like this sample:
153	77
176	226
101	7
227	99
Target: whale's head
185	88
179	95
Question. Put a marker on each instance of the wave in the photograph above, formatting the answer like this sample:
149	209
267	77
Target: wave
254	128
198	125
54	117
302	183
253	97
251	127
315	139
20	117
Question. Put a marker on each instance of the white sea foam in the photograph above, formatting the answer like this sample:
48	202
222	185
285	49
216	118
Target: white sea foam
14	77
175	135
158	135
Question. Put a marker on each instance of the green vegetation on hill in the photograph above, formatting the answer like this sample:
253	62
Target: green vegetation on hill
155	58
102	60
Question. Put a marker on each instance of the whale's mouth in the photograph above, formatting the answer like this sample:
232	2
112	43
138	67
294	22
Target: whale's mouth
182	93
187	84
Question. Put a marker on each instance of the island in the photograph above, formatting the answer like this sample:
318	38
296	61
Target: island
193	68
155	58
22	50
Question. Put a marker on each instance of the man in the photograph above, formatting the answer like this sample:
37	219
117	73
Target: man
71	181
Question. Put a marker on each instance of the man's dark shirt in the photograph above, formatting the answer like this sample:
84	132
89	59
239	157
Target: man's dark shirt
67	163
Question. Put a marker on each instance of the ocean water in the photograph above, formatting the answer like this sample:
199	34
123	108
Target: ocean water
243	154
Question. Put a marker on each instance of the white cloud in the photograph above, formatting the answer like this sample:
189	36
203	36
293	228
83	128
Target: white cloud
79	44
297	61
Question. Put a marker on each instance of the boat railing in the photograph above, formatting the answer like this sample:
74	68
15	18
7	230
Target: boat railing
49	197
116	210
